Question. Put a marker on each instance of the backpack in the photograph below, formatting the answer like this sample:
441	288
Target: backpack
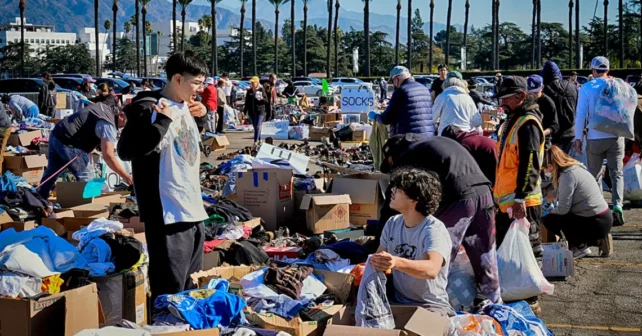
615	109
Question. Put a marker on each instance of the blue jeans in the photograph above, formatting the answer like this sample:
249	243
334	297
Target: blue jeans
257	120
59	155
32	112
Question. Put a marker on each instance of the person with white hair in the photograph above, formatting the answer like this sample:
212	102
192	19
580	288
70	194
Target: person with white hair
455	106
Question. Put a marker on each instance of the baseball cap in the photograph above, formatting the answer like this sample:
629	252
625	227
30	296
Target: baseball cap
89	79
600	63
535	83
209	80
398	70
254	79
512	85
455	74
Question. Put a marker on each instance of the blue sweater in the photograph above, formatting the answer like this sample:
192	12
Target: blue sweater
409	110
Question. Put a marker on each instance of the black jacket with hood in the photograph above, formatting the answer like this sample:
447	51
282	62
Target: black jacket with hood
564	95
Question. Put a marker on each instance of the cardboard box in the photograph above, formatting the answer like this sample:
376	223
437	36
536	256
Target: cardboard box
65	226
204	332
18	226
90	210
23	139
557	261
65	313
316	133
409	320
267	193
31	167
366	192
350	144
333	124
70	194
217	143
359	136
135	297
326	212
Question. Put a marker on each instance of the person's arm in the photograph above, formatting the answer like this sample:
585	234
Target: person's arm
142	134
428	268
550	123
529	139
107	134
389	116
565	190
42	95
17	110
581	114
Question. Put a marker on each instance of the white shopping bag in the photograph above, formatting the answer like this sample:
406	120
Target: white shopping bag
632	173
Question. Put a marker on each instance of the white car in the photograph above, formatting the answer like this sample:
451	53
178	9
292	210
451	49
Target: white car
310	89
342	83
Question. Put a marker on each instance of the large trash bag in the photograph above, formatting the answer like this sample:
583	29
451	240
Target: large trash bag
615	109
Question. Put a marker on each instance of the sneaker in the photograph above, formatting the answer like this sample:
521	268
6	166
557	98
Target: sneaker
579	253
606	246
618	216
533	302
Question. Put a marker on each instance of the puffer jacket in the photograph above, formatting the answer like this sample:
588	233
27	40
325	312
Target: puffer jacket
409	110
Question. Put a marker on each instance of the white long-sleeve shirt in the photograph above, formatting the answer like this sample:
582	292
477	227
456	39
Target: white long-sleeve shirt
455	107
586	101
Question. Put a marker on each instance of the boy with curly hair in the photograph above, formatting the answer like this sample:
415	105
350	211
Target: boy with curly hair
415	245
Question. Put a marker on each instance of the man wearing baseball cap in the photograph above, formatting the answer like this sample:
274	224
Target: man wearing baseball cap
521	152
408	110
600	145
546	107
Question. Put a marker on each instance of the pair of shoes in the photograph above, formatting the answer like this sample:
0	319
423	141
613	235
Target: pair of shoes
618	216
579	253
606	246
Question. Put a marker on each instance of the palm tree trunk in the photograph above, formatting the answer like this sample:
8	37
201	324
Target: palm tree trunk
448	16
533	35
466	25
254	37
539	34
397	33
113	52
640	50
498	26
276	41
432	15
144	41
96	35
336	39
305	39
292	18
22	6
242	39
621	32
214	50
183	29
570	34
410	35
137	39
327	59
493	35
606	28
175	31
366	35
578	65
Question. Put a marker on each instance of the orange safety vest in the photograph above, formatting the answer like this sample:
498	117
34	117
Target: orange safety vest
506	180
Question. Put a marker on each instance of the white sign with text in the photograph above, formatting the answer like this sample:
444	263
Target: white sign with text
359	101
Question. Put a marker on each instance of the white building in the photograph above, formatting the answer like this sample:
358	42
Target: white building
37	37
87	37
191	28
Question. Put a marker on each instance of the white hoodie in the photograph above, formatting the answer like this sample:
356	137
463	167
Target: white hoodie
455	107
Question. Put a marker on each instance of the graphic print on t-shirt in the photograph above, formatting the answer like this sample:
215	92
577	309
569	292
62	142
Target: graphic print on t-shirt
185	144
406	251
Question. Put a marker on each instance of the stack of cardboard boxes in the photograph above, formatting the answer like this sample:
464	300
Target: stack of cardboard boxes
31	166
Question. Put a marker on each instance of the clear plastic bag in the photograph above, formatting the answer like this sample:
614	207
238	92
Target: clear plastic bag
462	287
615	109
474	325
519	274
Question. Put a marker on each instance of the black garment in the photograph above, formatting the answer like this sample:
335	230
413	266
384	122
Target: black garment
269	109
220	111
534	216
478	98
548	115
637	120
254	106
246	252
109	100
125	251
289	91
5	118
229	210
79	129
580	231
564	95
47	98
529	140
27	200
436	87
175	252
287	280
74	278
356	252
125	210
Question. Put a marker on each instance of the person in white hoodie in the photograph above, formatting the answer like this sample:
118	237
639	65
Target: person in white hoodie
454	106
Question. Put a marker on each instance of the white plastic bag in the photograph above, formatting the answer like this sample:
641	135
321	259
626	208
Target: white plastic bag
615	109
632	173
519	274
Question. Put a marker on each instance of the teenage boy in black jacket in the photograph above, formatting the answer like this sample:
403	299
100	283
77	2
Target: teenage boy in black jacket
162	141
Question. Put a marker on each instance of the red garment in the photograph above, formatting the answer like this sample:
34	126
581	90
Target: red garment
209	246
209	98
247	231
483	149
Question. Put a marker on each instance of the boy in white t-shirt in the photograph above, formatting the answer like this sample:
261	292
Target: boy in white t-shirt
162	141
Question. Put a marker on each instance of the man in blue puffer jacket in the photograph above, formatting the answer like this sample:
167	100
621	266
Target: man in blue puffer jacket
409	110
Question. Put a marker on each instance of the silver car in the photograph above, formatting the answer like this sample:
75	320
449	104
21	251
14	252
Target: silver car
310	89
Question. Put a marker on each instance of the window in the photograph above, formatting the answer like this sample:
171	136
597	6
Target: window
1	40
348	80
15	40
32	41
47	41
57	41
37	40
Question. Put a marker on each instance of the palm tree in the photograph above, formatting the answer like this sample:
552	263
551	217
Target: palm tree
494	36
159	35
254	37
539	33
305	37
22	6
533	34
184	4
606	28
497	27
410	35
397	32
242	38
96	35
114	9
137	28
366	34
276	4
577	34
450	11
466	25
174	29
292	37
621	32
327	58
432	15
336	39
128	28
107	26
570	33
214	50
144	12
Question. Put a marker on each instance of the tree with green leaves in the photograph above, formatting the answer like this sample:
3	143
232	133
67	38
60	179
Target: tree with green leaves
128	28
136	24
432	16
213	52
242	37
13	62
254	37
292	38
22	6
409	45
70	58
277	4
420	43
184	4
366	30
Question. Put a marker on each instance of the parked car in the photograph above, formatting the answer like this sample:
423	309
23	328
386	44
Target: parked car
134	82
341	83
310	89
481	80
425	80
315	81
24	85
75	75
632	79
158	82
119	85
69	83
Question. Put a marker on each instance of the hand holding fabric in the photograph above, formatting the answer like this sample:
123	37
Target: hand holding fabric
372	115
383	261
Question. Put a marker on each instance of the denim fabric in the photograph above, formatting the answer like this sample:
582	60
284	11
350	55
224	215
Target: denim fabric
373	309
59	155
257	120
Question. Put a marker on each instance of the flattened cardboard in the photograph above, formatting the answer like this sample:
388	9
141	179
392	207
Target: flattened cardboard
69	194
5	218
267	193
23	139
409	320
359	136
65	313
366	192
326	212
220	143
90	210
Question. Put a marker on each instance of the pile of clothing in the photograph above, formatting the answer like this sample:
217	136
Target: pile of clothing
495	320
36	123
20	199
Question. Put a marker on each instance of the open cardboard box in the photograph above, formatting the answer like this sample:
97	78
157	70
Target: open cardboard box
267	193
23	139
91	210
339	284
409	321
204	332
366	192
326	212
217	143
31	167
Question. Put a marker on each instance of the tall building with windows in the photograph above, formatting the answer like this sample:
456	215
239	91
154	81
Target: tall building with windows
37	37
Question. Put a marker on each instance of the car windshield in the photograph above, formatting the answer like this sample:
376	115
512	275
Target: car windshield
118	83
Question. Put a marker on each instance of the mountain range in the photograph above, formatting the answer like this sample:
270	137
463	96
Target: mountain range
73	15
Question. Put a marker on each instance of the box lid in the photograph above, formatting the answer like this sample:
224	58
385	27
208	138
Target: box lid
362	188
317	199
35	161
